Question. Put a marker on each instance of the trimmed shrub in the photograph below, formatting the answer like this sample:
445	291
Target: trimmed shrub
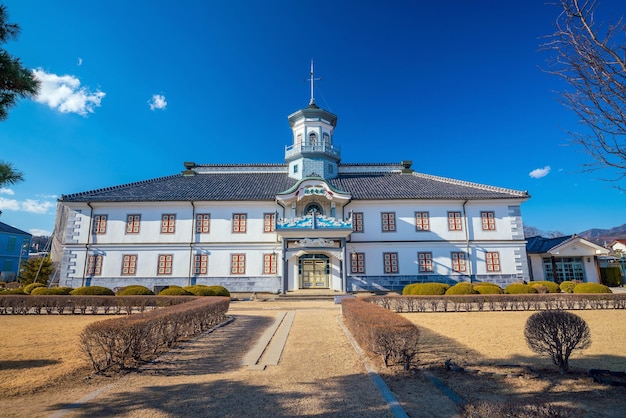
540	288
16	291
426	289
488	288
519	288
591	288
220	290
175	291
29	287
92	291
552	287
567	286
462	288
199	290
51	291
134	290
611	276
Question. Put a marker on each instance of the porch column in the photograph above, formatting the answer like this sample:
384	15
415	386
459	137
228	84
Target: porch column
344	272
285	268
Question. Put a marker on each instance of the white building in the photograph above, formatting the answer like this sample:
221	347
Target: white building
309	223
564	258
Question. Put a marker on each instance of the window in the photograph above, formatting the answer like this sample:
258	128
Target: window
94	265
357	222
269	222
488	221
458	262
203	223
493	261
100	224
299	139
269	263
239	222
566	268
237	264
200	264
388	220
390	262
132	224
129	264
295	168
357	263
168	224
165	264
425	262
312	139
422	221
326	140
455	222
11	244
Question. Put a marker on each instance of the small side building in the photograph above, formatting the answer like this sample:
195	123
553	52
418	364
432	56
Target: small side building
14	247
564	258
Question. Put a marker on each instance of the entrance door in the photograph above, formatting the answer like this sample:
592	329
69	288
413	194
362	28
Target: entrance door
314	272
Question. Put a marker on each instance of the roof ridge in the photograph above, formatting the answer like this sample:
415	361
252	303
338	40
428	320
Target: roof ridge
472	184
120	186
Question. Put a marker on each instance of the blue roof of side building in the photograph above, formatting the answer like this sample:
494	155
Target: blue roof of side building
541	245
256	185
8	229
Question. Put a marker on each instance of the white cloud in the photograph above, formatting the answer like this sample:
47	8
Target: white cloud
538	173
65	94
40	232
10	204
157	102
4	190
28	205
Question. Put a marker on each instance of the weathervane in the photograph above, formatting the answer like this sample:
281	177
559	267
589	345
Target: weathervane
312	80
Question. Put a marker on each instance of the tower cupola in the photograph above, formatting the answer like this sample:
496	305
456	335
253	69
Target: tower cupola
312	153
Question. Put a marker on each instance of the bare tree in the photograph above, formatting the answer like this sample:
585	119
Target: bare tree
590	56
557	333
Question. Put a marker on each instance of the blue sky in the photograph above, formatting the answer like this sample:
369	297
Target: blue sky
135	88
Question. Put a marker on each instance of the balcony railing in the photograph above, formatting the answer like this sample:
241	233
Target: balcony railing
313	221
327	149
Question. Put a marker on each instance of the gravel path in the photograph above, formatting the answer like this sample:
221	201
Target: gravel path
319	374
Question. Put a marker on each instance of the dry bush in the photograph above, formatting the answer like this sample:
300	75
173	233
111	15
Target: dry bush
557	333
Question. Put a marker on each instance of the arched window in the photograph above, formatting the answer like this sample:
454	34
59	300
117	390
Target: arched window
313	207
312	139
326	140
299	139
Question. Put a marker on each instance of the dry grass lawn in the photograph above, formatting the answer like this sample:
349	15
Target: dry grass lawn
41	365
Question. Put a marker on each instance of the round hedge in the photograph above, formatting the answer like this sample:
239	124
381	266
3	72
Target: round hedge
488	289
17	291
29	287
92	291
519	288
52	291
220	290
591	288
462	288
567	286
199	290
426	289
133	290
174	291
552	287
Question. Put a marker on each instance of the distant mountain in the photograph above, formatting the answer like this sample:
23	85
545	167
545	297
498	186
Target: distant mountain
601	236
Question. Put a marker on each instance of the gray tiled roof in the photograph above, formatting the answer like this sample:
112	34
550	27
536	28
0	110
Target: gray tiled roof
239	186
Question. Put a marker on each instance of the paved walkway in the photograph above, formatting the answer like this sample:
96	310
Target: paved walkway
308	369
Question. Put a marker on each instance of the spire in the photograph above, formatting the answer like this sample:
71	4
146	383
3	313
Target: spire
312	80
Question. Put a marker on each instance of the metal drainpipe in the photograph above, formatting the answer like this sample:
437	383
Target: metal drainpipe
467	242
87	245
191	241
